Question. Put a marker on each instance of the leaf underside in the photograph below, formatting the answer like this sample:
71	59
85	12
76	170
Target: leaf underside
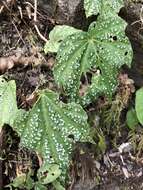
104	47
51	127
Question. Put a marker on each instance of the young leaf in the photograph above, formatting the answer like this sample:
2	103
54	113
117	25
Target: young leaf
104	46
56	36
8	105
94	7
139	105
51	127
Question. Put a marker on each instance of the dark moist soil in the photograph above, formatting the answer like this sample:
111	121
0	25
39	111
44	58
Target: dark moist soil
92	168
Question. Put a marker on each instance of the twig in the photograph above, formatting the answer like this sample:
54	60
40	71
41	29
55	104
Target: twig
5	4
20	11
30	5
141	18
1	8
35	20
18	32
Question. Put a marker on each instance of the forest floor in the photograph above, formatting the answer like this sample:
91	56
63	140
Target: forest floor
116	163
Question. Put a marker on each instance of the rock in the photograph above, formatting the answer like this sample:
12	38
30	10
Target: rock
71	13
125	147
86	185
132	13
49	6
65	11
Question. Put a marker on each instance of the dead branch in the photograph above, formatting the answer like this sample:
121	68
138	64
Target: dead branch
7	63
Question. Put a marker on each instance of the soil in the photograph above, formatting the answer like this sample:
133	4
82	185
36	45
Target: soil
120	165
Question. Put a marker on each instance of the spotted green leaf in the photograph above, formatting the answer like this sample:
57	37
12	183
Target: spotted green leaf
51	127
56	36
104	46
48	173
57	185
39	186
139	105
19	181
94	7
8	105
100	85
